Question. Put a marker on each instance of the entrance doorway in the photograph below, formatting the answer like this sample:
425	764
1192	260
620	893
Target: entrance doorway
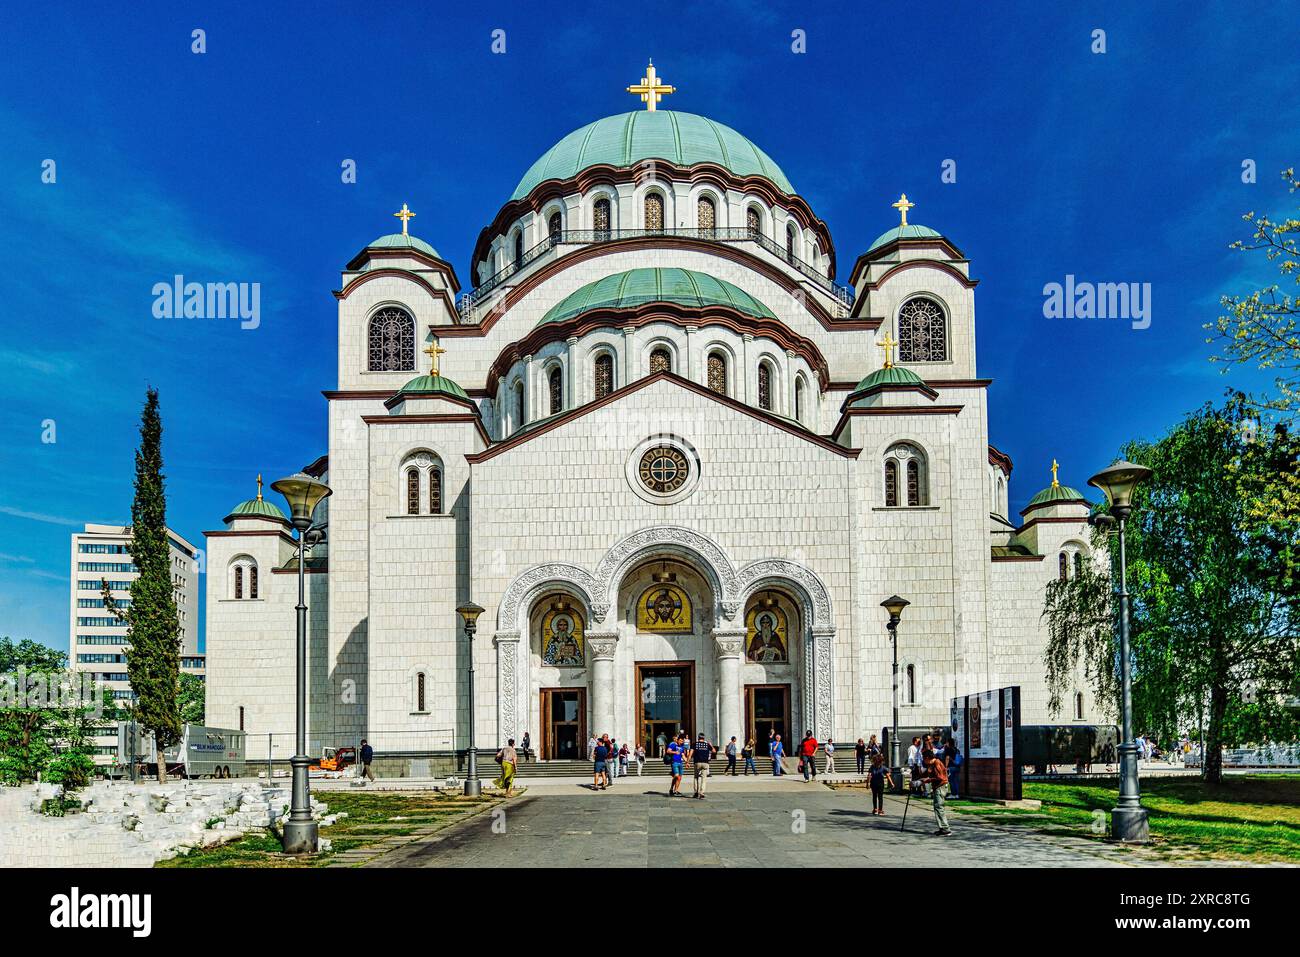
564	723
665	703
767	711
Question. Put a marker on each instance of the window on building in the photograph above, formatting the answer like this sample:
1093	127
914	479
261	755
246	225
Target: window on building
913	482
765	386
600	217
717	373
252	581
1063	565
1078	564
554	225
790	241
891	482
798	398
419	693
555	385
909	688
603	373
752	221
519	405
906	462
654	212
922	331
661	360
435	491
243	578
519	249
391	341
239	582
706	214
418	469
241	717
413	491
1078	706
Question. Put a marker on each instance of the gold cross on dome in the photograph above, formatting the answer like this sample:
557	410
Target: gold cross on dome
259	486
650	88
903	206
888	344
1055	483
404	215
433	352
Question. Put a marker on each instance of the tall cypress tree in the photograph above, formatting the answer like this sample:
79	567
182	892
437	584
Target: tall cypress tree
153	661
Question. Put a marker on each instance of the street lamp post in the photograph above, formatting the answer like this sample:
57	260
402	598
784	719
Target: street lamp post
894	605
1129	818
303	493
470	612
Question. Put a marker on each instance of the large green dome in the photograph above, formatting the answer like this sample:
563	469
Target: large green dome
636	287
624	140
1056	493
257	508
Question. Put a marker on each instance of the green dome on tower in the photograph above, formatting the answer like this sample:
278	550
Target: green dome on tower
628	138
403	241
637	287
433	385
1055	493
257	508
894	375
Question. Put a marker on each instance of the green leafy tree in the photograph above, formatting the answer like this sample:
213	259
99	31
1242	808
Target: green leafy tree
192	698
1214	611
153	659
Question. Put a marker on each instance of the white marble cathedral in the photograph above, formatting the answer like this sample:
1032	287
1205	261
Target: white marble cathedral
678	464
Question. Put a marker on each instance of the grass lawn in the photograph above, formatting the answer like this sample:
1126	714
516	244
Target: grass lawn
1247	817
373	816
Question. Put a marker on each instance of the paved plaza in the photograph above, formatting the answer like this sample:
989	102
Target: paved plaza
741	824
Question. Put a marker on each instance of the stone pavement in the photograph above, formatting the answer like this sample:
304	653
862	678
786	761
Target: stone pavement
741	824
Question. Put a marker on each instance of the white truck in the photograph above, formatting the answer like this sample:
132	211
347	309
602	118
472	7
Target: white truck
201	751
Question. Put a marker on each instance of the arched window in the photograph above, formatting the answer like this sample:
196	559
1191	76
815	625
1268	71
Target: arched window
519	249
1078	706
765	386
412	491
654	212
1063	564
419	693
435	491
555	385
600	218
519	405
922	331
790	241
603	373
239	582
706	215
909	688
661	360
1002	494
243	578
910	462
392	341
798	398
554	225
752	221
252	581
1078	564
717	372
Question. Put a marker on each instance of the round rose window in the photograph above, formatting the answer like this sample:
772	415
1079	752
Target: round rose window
663	469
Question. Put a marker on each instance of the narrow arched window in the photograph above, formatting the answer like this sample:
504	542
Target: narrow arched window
555	383
239	581
717	372
798	398
600	218
391	340
908	466
910	689
661	360
554	225
419	692
519	405
922	331
891	482
519	249
765	386
1078	564
435	491
413	491
1063	565
1078	706
913	482
654	212
789	243
706	215
752	221
252	581
603	373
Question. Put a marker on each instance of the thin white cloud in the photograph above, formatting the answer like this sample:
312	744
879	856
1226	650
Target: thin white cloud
39	517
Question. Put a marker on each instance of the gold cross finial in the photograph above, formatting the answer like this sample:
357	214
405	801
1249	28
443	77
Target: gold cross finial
433	352
1055	483
888	344
259	486
404	215
903	206
650	89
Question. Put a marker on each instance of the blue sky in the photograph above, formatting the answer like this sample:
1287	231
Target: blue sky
1118	167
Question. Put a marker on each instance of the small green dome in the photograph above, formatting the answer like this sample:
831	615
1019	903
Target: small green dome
402	241
628	138
894	375
1056	493
636	287
257	508
910	231
433	385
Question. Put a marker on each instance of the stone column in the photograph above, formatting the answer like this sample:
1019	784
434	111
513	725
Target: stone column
528	390
823	712
729	644
508	677
571	380
601	647
788	411
629	357
748	391
688	364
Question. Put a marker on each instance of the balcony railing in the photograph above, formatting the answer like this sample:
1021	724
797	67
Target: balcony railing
469	302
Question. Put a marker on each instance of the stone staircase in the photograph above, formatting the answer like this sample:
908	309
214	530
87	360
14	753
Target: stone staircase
654	767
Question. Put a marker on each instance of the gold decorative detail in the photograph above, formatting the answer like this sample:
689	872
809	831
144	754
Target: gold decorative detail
888	344
765	632
650	89
404	215
562	636
259	486
663	469
1055	483
903	206
664	607
433	352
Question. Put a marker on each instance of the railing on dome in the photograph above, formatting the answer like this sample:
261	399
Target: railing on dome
468	303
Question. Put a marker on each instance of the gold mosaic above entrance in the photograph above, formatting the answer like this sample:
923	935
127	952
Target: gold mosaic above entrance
664	608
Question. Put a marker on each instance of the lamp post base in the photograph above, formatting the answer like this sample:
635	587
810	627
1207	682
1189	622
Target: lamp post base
301	833
301	837
473	788
1129	824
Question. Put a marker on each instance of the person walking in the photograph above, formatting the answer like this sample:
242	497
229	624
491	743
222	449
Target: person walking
860	753
829	748
367	755
880	777
623	754
702	754
937	777
808	756
777	751
509	760
525	745
873	747
747	752
591	748
640	759
600	767
673	754
661	744
732	748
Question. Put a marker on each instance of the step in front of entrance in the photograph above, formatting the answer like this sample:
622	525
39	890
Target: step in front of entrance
654	767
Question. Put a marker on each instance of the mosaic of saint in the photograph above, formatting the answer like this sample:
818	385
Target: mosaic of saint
562	638
766	634
664	608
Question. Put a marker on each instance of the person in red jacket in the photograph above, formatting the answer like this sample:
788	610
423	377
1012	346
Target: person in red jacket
808	755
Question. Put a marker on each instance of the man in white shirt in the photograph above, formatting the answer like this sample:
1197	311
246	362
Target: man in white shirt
829	748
